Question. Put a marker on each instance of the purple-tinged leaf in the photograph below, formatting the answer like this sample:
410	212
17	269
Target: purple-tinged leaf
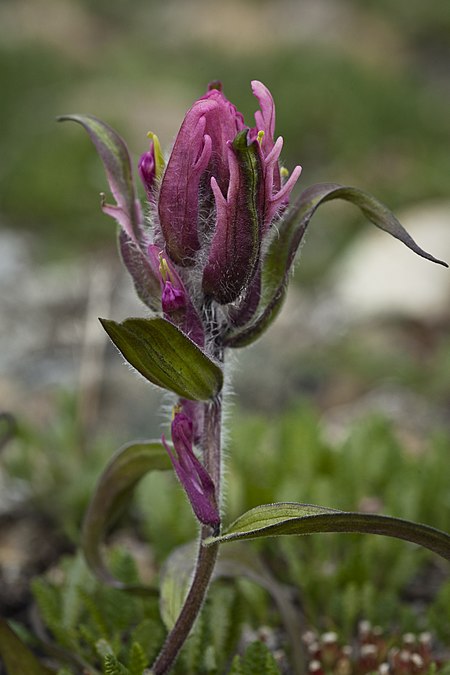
146	283
166	357
116	160
235	246
242	313
113	491
286	241
270	520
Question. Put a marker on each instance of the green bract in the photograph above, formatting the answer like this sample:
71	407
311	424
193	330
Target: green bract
115	487
167	357
285	243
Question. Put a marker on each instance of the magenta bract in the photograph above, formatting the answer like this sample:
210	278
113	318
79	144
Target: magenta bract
178	204
221	189
192	475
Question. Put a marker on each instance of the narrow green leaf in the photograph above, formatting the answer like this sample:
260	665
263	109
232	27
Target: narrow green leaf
138	660
174	581
270	520
257	660
166	356
16	656
287	239
115	486
116	160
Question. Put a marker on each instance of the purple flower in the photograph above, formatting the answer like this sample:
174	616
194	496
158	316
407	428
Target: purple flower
175	301
212	206
221	190
191	473
151	166
178	204
198	255
146	168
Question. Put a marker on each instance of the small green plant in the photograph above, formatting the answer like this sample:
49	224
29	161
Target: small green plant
50	465
211	262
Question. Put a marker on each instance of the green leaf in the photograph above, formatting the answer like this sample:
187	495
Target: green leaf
286	240
257	660
112	666
166	356
115	486
16	656
116	160
137	659
269	520
174	581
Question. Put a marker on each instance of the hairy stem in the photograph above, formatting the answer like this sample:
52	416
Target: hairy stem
206	556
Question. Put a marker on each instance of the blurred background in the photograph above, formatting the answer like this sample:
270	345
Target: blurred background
355	375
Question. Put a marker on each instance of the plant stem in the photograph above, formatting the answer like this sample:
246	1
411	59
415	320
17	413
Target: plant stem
191	608
206	558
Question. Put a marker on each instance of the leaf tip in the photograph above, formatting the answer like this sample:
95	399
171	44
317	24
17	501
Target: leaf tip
107	325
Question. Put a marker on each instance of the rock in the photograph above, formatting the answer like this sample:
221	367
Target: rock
379	276
51	338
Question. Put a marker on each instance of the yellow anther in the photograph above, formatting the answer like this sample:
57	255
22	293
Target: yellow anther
260	136
163	268
159	157
175	410
284	173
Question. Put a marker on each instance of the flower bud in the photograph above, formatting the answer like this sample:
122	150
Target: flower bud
175	301
191	473
151	165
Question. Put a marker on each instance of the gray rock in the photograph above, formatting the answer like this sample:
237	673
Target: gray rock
50	336
379	276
